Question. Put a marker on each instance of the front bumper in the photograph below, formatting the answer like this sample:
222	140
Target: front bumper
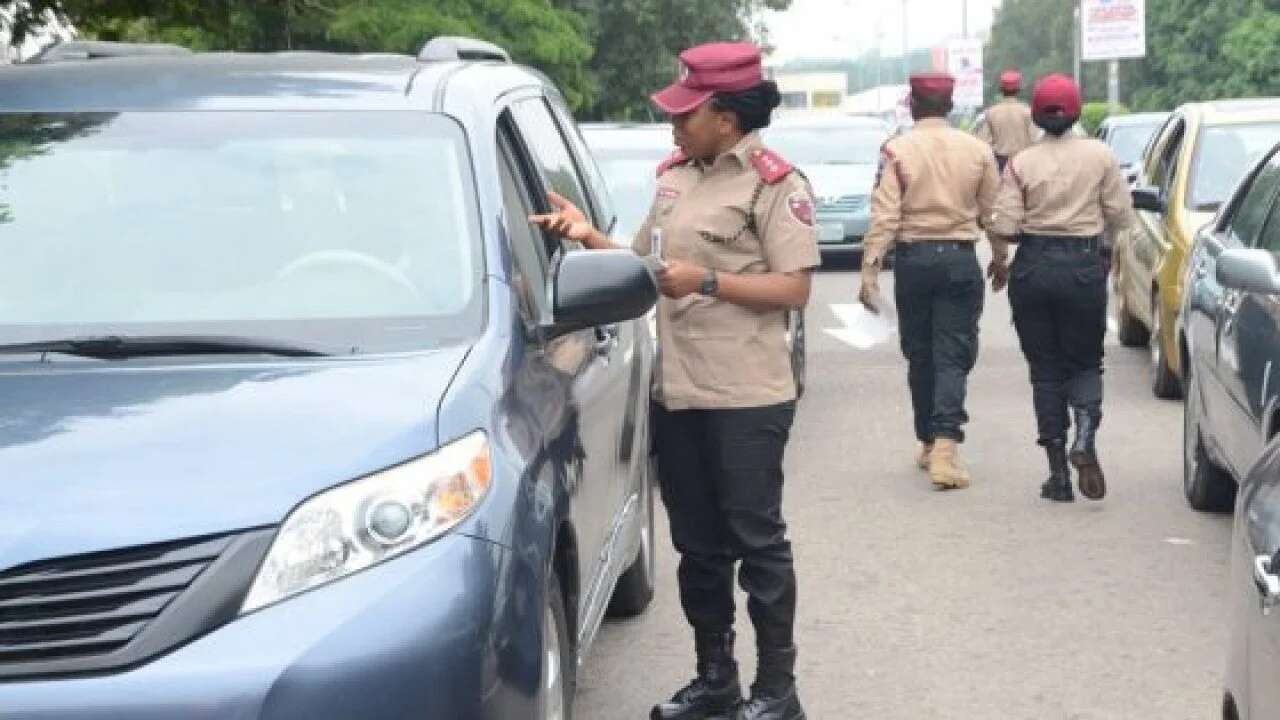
436	633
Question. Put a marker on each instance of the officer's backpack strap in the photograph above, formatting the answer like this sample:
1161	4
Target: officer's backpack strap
676	159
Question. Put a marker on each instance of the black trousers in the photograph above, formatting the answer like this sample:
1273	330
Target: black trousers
939	289
721	479
1058	290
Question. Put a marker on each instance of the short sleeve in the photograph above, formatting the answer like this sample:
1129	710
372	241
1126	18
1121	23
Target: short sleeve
788	234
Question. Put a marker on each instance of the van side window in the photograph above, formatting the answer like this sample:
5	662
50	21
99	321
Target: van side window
544	142
1245	226
530	276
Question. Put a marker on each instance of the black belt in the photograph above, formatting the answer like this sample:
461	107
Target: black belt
934	246
1061	243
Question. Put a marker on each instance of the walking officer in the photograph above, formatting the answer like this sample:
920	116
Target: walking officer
1056	200
738	247
1008	128
936	186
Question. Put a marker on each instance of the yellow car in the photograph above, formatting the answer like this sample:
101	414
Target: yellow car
1189	169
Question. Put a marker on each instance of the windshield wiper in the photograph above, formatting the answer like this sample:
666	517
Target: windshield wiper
122	347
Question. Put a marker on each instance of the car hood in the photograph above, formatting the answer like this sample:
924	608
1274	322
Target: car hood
831	181
95	457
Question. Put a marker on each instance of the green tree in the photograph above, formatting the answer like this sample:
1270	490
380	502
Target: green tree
1252	49
637	42
536	32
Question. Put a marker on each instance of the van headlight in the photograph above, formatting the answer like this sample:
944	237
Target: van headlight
353	526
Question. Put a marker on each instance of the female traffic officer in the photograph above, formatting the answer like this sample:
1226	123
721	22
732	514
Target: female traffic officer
733	224
1057	198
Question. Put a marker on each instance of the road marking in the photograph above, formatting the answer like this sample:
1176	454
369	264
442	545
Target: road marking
1112	327
859	328
1179	541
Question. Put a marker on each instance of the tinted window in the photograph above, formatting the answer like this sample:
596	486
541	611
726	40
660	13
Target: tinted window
1224	154
543	139
530	278
1128	141
346	230
1247	221
1167	165
826	146
605	215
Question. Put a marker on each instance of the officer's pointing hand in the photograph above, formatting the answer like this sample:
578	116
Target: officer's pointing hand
565	219
680	279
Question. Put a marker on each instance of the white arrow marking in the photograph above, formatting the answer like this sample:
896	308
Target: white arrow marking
860	328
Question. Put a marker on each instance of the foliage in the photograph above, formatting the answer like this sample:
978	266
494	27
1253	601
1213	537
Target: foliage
536	32
1092	115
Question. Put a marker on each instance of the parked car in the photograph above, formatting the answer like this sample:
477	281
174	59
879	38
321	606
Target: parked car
839	155
629	155
1229	338
1253	656
302	417
1128	136
1189	169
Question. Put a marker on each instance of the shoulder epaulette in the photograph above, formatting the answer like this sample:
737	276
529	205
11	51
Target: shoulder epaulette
675	159
770	165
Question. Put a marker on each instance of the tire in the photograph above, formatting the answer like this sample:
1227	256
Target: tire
635	589
799	359
1164	383
1131	331
1208	488
559	668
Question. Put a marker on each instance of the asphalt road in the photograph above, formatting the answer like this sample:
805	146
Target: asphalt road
979	604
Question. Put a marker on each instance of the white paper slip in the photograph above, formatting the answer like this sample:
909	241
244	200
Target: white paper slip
862	328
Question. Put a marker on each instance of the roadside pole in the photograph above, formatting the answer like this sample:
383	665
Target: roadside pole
1113	85
1075	43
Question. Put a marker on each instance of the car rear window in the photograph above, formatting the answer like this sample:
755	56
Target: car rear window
352	230
1223	155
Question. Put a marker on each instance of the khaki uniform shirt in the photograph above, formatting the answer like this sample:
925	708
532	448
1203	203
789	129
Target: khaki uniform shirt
936	183
713	354
1009	128
1065	185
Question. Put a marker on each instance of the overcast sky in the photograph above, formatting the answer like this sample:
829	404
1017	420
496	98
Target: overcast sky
841	28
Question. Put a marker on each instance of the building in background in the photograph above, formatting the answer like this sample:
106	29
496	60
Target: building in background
804	91
54	31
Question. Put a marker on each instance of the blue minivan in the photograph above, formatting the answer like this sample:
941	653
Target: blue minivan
299	417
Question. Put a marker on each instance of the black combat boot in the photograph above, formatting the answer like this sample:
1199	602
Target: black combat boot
1058	486
773	696
1084	455
715	692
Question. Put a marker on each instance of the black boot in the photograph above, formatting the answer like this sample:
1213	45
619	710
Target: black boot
773	696
715	692
1058	486
1084	455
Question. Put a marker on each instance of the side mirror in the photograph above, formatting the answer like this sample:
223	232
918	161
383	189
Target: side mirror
1148	198
1249	270
600	287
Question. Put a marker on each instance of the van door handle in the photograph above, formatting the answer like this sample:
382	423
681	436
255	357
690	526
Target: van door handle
606	340
1267	582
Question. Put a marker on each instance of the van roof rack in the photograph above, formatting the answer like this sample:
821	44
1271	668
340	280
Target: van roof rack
446	48
72	50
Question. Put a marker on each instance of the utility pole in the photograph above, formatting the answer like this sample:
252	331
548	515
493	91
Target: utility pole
1113	85
906	49
964	19
1075	43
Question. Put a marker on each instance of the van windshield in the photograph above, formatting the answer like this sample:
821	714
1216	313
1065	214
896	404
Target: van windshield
355	231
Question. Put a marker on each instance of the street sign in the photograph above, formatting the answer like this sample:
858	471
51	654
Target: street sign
964	62
1113	29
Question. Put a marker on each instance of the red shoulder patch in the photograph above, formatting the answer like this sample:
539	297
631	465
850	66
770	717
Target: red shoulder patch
770	165
676	158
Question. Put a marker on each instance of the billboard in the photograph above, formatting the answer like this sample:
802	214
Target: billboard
1113	29
964	62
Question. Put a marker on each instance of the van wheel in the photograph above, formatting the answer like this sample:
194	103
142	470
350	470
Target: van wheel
1131	331
1164	383
635	587
559	670
1208	488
